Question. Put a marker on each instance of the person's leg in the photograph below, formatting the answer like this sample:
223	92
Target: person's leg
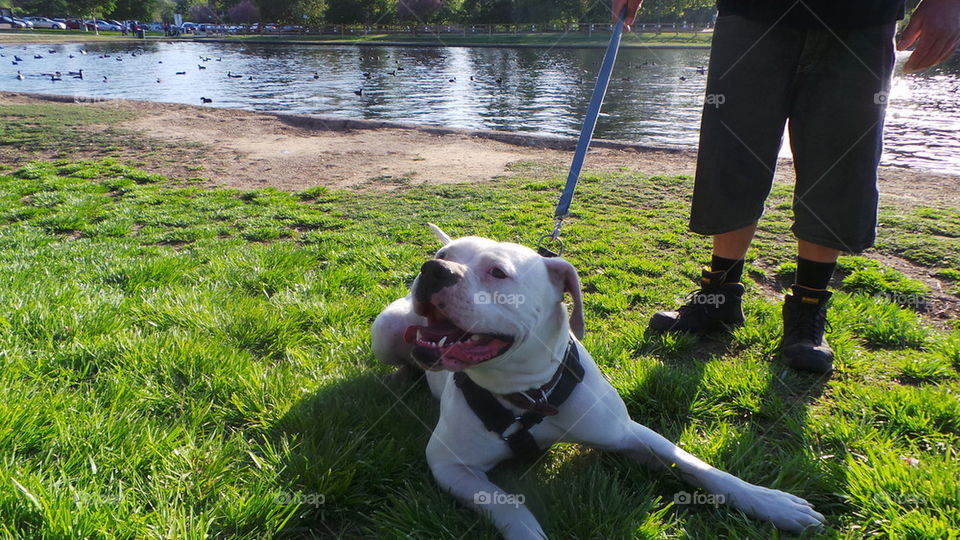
816	252
836	131
751	72
815	264
729	250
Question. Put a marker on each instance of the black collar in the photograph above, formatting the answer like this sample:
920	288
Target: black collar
538	402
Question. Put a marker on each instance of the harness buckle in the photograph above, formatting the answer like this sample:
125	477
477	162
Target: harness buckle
513	428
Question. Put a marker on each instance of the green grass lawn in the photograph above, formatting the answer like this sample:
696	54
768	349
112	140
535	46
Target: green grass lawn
181	363
599	38
45	34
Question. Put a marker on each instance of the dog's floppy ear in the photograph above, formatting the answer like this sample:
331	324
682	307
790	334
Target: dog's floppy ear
564	276
438	232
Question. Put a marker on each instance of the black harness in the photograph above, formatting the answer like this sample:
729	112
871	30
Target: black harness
499	419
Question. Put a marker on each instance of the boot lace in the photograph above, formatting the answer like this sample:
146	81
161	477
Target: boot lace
811	324
694	301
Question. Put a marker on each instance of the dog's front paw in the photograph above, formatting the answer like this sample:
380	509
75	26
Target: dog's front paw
788	512
404	376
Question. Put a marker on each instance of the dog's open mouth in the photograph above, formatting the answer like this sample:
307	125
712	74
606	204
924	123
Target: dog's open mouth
443	345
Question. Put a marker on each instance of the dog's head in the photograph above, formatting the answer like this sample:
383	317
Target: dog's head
486	300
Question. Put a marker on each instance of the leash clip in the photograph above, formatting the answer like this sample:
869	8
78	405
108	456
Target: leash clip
552	237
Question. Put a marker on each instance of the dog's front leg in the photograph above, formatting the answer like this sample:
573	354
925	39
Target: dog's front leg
784	510
469	484
386	334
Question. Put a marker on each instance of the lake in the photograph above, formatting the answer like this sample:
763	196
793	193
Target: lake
655	96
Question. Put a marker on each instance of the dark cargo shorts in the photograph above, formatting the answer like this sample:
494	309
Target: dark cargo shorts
832	86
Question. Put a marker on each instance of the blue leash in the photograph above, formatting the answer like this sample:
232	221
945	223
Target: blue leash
586	133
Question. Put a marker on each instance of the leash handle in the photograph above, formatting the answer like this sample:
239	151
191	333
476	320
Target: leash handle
590	122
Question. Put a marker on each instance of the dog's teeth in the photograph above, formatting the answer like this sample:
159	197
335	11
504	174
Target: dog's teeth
442	341
474	337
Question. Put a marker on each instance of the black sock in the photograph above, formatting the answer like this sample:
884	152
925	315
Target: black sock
813	274
732	268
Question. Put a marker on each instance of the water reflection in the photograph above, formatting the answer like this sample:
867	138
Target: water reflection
655	96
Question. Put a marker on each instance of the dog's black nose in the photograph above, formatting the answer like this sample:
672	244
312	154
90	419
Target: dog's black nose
434	275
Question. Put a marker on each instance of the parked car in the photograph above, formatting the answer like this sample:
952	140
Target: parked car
10	22
43	22
77	24
267	27
105	26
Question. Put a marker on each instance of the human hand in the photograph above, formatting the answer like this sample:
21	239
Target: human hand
632	7
935	30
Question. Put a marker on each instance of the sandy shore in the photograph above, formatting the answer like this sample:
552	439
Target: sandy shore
246	149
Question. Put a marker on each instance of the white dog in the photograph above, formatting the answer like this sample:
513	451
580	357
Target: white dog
486	320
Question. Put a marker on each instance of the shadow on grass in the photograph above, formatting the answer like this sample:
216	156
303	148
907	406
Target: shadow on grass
765	445
352	445
355	462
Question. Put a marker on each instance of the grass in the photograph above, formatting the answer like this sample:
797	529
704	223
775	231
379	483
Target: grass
38	131
598	39
32	130
44	35
186	362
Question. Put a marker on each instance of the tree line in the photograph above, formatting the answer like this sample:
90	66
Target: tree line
320	12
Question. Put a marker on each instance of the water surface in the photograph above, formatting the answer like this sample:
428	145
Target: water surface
654	98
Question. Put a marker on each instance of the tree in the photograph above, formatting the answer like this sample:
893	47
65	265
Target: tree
88	8
418	10
676	10
45	8
488	11
293	11
136	10
244	12
544	12
203	14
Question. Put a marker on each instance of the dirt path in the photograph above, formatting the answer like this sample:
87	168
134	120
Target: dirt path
262	149
255	150
246	150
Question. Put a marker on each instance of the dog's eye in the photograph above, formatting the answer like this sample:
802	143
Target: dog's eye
498	273
441	254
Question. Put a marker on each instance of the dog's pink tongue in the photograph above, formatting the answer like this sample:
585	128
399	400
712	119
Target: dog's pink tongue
410	334
454	354
471	352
